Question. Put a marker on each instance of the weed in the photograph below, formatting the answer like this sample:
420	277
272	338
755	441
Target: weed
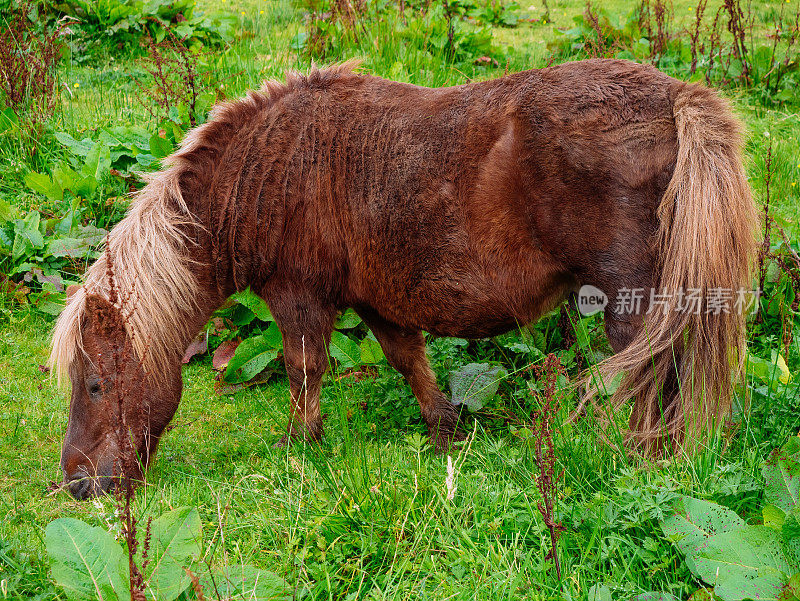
738	28
696	46
547	480
103	25
29	56
175	79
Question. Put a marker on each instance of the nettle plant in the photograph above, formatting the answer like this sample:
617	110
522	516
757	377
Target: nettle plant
126	22
249	346
741	560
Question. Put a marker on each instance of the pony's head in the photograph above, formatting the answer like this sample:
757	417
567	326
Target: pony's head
120	338
116	408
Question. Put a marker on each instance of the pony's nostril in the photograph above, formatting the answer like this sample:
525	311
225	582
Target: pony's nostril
80	485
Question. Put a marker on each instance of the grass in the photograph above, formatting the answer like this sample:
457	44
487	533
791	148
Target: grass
365	515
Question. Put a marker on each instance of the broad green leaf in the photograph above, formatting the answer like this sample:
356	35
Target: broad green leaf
599	592
250	358
273	336
783	369
781	473
176	537
475	384
28	237
345	350
20	247
183	30
29	228
86	561
146	160
175	129
50	307
98	161
65	177
175	116
527	348
240	315
8	120
7	212
85	187
68	247
92	234
160	147
790	535
371	351
347	320
746	563
247	582
255	303
82	243
79	148
770	372
6	238
774	516
693	521
111	140
43	184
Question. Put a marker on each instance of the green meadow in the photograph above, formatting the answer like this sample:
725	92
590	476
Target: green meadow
372	512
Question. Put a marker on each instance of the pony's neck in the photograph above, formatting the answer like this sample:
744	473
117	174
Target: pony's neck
213	286
190	261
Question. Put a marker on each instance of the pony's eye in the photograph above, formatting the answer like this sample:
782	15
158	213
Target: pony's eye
94	387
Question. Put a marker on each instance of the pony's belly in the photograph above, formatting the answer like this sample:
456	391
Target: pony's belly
482	326
474	311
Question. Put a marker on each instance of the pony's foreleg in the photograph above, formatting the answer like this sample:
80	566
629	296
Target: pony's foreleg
405	351
306	333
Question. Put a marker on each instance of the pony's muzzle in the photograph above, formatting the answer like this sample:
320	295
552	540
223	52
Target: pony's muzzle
80	486
83	486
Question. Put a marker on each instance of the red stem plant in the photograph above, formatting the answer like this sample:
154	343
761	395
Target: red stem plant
127	468
543	419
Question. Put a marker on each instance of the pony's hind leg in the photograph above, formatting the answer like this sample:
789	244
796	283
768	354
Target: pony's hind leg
405	351
649	373
306	330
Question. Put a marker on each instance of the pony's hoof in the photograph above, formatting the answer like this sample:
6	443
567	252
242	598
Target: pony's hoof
443	442
297	433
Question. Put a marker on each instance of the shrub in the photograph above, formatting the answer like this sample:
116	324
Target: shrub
121	23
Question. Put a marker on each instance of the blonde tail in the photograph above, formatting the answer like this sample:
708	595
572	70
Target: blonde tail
680	368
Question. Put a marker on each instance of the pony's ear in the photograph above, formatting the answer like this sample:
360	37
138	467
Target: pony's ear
72	289
104	317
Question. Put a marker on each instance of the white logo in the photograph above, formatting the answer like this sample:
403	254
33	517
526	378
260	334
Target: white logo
591	300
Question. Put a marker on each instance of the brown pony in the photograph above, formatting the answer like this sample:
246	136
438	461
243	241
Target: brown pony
462	211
